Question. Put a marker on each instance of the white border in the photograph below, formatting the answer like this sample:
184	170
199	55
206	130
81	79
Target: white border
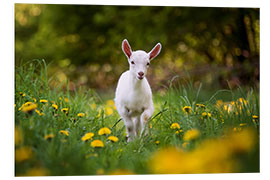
7	79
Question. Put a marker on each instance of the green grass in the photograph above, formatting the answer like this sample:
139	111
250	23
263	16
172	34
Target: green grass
69	155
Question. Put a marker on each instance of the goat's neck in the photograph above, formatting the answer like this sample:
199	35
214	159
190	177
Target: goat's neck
136	84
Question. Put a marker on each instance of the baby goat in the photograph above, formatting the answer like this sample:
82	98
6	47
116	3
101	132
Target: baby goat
133	97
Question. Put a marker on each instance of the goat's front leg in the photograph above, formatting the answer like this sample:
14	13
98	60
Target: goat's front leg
147	113
137	121
130	129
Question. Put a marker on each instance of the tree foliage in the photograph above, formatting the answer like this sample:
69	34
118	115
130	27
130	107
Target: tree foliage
212	44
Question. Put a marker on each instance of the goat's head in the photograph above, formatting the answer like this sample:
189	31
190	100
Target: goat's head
139	60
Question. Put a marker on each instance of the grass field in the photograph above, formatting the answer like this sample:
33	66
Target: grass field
191	131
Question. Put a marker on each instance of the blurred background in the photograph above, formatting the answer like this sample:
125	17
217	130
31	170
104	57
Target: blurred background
82	43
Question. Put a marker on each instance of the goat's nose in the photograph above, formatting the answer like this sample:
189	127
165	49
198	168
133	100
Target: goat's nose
140	73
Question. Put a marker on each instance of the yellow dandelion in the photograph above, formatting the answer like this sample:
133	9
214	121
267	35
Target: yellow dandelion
49	136
111	103
121	172
242	141
187	109
37	171
255	117
157	142
104	130
97	143
206	114
113	138
108	110
100	171
43	101
191	134
200	105
242	124
65	132
22	94
242	101
80	114
166	161
23	153
66	99
34	99
219	103
179	131
64	110
175	126
28	107
18	135
87	136
39	113
55	106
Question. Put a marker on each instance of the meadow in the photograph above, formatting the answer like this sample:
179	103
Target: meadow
193	130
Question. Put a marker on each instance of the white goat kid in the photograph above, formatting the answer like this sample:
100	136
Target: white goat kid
133	97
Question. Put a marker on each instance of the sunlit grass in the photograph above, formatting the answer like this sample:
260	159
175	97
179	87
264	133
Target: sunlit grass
63	133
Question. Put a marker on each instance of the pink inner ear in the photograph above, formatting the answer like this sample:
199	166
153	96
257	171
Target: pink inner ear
127	49
154	52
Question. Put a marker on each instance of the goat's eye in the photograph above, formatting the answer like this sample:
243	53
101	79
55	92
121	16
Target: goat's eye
148	64
132	62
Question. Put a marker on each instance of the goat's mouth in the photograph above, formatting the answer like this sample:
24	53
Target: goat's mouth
140	77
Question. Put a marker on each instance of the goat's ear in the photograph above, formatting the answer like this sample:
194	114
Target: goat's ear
126	48
155	51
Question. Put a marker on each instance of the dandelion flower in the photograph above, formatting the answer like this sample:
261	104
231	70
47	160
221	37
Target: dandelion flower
49	136
104	130
100	171
18	135
87	136
200	105
167	161
34	99
39	113
28	107
242	141
113	138
175	126
80	114
191	134
55	106
108	110
23	153
37	171
66	99
242	124
157	142
242	101
65	132
255	117
64	110
97	143
121	172
179	131
205	114
187	109
111	103
22	94
43	101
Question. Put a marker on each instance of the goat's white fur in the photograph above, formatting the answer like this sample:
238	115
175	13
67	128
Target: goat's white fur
133	97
